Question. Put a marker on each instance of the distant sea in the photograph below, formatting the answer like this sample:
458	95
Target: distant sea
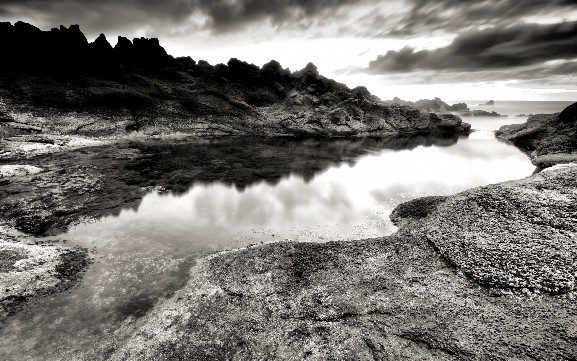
513	108
510	108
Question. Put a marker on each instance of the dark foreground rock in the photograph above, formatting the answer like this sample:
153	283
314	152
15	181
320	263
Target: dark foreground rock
391	298
549	139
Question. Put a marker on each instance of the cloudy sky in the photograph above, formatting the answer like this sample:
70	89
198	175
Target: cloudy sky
453	49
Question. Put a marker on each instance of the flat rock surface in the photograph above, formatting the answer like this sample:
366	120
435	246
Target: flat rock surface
390	298
517	234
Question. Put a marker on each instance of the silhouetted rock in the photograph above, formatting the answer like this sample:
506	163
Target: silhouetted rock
569	114
137	86
102	57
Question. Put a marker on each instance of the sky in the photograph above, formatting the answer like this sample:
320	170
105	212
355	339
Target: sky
413	49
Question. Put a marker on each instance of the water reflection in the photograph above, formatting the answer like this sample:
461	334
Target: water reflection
230	194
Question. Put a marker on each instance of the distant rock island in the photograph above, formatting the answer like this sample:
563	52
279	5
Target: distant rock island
439	106
82	88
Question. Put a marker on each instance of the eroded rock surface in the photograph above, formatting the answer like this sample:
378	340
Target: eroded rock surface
520	234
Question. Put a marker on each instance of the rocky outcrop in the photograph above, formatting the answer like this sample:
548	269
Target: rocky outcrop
549	139
480	113
394	297
137	87
520	234
436	105
439	106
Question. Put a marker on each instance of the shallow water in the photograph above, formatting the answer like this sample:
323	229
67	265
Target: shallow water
144	254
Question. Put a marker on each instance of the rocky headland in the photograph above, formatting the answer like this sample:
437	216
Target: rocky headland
437	105
95	89
548	139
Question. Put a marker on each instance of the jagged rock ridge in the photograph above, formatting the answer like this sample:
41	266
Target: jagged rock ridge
96	89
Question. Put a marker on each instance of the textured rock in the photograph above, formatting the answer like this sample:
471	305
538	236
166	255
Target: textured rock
14	170
517	234
549	139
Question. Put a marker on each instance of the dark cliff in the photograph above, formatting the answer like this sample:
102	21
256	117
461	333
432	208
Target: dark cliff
72	86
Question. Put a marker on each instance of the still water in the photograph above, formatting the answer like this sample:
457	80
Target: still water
144	254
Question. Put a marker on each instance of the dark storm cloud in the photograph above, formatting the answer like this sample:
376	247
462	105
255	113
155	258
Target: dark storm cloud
225	14
455	15
162	15
492	48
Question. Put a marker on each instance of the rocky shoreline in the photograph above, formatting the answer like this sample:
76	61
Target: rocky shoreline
488	273
498	261
414	295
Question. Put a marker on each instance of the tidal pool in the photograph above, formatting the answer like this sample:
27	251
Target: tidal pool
232	193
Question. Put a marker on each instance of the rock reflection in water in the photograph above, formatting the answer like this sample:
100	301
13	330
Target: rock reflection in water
230	193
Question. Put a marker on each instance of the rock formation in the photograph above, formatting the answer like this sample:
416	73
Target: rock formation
439	106
372	299
549	139
96	89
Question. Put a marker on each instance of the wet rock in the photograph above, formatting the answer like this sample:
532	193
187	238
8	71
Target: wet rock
28	271
415	209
